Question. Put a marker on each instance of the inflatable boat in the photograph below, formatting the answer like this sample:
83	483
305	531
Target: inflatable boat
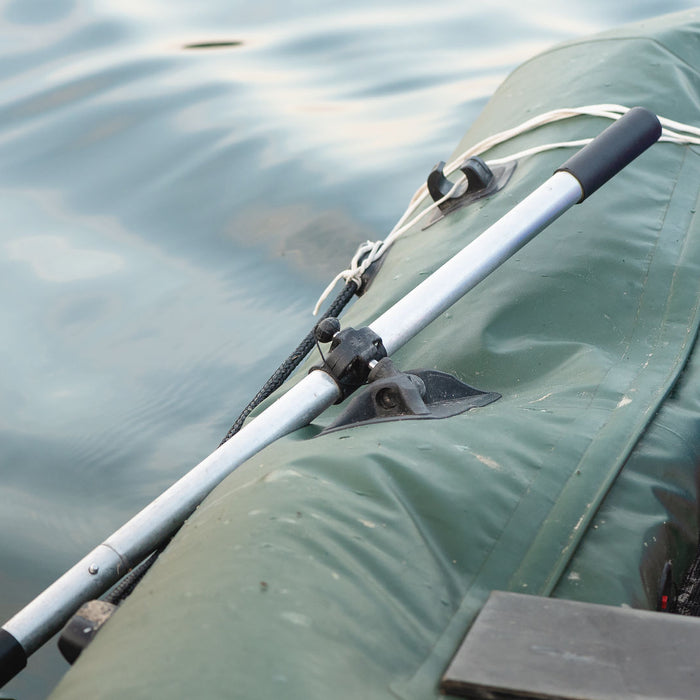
358	555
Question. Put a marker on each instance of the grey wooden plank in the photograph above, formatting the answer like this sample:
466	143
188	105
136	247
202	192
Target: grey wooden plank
528	647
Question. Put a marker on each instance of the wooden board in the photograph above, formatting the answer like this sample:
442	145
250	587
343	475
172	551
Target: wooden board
530	647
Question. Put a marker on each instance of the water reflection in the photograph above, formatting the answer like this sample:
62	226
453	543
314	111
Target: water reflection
55	259
36	12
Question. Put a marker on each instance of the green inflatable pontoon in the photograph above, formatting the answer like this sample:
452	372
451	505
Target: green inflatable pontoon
351	564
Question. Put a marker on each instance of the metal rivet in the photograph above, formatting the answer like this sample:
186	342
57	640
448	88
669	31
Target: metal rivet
93	569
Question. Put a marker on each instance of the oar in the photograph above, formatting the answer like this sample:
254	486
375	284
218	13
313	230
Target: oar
91	577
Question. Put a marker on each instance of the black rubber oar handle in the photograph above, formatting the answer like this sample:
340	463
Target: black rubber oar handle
613	149
12	657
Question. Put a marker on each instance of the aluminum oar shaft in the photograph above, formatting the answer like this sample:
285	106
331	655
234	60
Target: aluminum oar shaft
476	261
108	562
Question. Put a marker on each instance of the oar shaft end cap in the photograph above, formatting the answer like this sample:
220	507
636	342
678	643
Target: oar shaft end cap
13	658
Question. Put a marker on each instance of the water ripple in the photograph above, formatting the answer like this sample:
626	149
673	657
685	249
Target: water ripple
179	181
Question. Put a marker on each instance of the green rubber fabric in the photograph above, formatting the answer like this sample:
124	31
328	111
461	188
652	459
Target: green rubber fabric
352	564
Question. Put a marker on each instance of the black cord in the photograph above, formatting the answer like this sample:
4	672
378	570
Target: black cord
124	588
292	362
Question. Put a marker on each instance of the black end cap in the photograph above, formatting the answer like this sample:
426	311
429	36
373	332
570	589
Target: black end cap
13	658
613	149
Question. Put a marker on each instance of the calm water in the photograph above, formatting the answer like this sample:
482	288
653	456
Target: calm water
178	182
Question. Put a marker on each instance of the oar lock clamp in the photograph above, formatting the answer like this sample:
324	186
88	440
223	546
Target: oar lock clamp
352	354
358	357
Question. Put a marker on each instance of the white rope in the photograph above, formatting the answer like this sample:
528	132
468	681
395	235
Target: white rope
369	251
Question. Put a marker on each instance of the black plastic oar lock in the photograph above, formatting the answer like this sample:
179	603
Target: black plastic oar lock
481	181
358	357
417	394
